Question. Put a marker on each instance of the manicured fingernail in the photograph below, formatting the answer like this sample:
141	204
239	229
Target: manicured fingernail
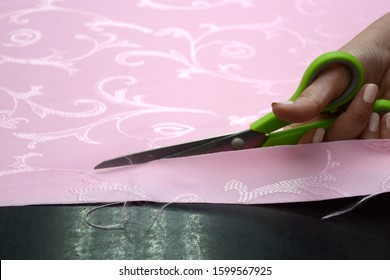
283	102
318	136
388	120
373	125
369	93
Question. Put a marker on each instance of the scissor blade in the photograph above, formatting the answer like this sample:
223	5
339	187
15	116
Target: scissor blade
244	140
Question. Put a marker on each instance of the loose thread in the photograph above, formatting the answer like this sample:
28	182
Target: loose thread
159	213
349	208
122	224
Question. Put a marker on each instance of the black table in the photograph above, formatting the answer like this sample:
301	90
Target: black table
198	231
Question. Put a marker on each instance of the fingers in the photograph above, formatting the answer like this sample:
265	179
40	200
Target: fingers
313	136
379	127
327	86
358	121
385	126
372	129
351	123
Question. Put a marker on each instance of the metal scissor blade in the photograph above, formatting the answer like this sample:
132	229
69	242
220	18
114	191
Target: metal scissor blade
243	140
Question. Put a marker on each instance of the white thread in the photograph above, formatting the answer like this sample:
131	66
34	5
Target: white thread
349	208
122	224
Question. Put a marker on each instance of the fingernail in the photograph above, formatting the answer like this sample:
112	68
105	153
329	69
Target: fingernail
318	136
369	93
373	125
283	102
388	120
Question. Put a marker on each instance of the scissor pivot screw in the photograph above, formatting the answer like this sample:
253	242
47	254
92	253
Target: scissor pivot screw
237	143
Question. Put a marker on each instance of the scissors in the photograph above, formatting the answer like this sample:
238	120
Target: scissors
264	131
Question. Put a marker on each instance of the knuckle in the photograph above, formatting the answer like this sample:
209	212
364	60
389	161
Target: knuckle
311	96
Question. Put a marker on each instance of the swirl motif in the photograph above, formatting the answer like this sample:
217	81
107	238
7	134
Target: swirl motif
23	38
190	60
386	185
94	191
119	95
169	130
42	111
309	7
20	165
306	187
172	130
237	50
378	145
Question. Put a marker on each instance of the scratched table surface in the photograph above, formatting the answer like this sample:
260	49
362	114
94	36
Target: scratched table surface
198	231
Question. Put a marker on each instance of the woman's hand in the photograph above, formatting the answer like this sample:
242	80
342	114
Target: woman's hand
372	48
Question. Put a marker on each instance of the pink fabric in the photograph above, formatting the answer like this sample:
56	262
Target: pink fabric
84	81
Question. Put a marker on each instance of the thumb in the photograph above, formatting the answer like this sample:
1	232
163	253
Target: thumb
329	84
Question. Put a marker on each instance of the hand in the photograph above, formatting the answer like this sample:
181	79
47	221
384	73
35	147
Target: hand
372	48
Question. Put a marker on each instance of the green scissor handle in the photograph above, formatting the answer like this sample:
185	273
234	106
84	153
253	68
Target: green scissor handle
270	122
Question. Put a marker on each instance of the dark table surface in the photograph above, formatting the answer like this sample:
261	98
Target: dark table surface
198	231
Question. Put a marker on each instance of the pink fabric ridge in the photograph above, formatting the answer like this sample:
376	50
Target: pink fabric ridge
82	82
